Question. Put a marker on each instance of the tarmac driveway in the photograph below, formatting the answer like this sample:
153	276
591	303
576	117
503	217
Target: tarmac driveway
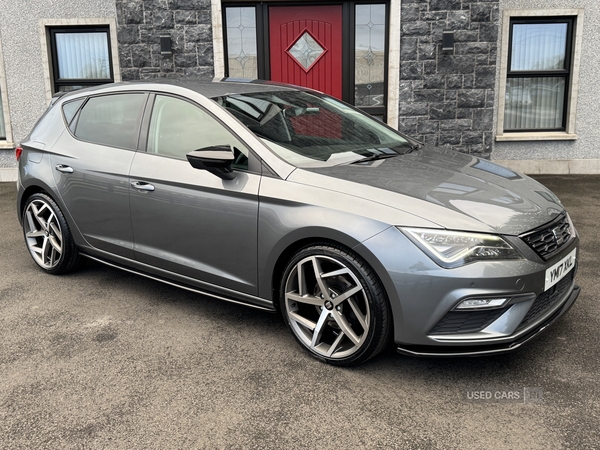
105	359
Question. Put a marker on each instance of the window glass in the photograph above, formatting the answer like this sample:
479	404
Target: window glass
534	103
310	130
2	126
538	74
80	57
112	120
241	42
369	55
178	127
70	108
539	46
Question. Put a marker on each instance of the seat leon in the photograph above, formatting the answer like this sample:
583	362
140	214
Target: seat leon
288	200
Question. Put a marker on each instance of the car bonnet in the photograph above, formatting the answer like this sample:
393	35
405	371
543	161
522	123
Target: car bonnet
505	201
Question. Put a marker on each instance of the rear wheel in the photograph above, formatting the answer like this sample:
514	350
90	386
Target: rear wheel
335	305
47	235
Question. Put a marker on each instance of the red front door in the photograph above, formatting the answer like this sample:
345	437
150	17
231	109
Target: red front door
306	46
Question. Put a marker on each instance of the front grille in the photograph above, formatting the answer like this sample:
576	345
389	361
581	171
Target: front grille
466	321
550	238
547	300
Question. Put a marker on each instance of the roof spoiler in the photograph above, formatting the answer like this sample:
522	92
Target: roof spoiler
55	97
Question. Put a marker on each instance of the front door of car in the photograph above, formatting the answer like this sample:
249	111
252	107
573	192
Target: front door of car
187	220
91	169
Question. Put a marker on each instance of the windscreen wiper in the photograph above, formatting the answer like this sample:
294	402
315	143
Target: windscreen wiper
375	157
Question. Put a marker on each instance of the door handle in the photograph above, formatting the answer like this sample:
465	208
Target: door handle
141	186
64	168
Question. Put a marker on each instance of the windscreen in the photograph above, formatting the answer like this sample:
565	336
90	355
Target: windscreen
310	130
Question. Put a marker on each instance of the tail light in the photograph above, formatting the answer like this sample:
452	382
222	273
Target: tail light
18	152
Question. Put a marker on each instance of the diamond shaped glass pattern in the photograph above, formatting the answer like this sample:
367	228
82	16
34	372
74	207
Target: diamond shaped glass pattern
306	51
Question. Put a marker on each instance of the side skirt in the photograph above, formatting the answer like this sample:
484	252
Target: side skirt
252	302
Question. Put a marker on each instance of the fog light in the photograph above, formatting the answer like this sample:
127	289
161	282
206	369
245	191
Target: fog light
482	303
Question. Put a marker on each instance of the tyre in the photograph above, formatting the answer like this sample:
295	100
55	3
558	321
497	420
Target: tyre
47	235
335	305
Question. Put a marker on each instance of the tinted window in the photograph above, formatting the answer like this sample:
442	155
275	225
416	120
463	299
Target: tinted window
310	130
69	109
178	127
111	120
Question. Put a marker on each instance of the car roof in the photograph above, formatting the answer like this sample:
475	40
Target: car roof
206	87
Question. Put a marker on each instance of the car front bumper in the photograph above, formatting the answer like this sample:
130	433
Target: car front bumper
423	297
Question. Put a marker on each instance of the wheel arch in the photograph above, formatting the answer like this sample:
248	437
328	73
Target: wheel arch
27	193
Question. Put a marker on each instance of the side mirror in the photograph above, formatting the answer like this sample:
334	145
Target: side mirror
216	159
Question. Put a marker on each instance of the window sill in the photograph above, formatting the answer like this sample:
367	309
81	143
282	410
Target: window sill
542	136
4	145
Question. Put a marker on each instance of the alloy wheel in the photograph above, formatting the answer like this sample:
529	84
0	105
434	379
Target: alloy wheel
327	307
43	234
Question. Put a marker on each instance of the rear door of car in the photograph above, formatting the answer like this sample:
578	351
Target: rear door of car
91	167
190	221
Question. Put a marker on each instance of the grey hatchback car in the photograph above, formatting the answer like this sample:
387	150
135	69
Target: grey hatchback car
286	199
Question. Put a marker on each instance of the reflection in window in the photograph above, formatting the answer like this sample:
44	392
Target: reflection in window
369	56
538	73
534	103
2	127
241	42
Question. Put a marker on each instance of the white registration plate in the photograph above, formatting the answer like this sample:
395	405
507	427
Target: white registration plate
559	270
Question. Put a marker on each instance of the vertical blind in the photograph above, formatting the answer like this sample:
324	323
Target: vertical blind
82	55
536	102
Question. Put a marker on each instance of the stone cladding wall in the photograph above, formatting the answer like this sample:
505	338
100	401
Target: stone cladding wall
141	23
448	98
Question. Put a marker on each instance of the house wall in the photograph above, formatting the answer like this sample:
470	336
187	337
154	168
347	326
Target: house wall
22	51
187	22
583	154
447	98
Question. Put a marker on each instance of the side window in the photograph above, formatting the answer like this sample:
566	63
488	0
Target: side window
70	108
178	127
112	120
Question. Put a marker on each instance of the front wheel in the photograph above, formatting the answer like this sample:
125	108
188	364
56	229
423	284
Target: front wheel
335	305
47	235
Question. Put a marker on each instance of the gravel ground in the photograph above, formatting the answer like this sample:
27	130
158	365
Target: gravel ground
105	359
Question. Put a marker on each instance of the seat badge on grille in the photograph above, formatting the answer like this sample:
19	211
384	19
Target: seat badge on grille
558	238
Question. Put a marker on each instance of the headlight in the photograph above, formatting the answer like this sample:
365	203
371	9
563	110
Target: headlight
452	249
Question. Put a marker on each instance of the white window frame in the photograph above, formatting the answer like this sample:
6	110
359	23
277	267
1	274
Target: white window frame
8	143
569	133
44	30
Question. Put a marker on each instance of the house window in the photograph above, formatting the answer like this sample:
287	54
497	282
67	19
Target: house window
540	71
5	131
81	57
241	42
370	56
2	126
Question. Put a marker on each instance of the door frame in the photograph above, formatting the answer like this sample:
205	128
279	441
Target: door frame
392	74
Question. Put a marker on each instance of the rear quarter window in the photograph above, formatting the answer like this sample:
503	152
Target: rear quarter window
70	109
112	120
